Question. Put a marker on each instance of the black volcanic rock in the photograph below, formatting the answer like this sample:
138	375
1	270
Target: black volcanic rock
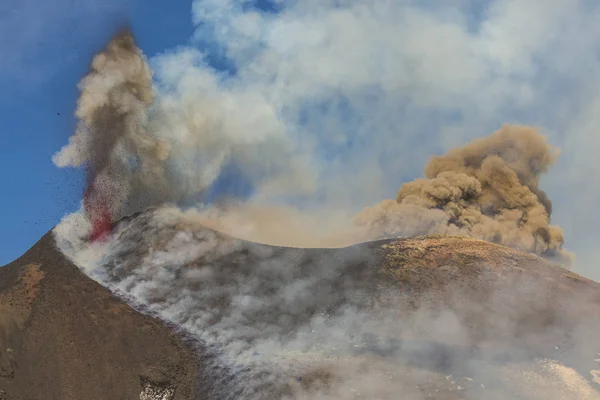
65	337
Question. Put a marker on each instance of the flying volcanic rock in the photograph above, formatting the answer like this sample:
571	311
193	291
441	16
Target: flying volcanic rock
144	147
112	141
443	316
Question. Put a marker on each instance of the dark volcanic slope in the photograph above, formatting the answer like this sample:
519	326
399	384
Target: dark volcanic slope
65	337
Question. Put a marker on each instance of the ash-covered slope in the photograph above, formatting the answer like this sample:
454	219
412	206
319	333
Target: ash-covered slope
435	317
441	317
65	337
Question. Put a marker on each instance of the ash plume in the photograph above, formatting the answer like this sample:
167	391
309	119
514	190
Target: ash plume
111	139
488	189
144	147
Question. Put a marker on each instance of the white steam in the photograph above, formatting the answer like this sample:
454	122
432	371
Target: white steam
283	323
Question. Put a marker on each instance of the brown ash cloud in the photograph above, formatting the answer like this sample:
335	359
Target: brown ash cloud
488	189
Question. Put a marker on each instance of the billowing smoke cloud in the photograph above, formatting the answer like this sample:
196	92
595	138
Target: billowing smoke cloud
111	138
144	149
488	189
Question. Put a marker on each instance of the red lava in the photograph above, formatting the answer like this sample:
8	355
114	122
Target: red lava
101	224
98	213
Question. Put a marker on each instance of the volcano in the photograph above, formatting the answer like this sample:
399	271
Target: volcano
66	337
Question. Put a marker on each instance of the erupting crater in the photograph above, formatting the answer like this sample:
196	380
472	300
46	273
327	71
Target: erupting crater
97	210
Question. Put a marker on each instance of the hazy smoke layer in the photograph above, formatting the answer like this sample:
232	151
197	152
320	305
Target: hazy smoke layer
282	323
488	189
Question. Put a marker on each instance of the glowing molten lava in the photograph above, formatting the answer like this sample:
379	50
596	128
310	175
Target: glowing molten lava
98	213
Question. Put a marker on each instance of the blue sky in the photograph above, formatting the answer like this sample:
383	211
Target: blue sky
45	51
